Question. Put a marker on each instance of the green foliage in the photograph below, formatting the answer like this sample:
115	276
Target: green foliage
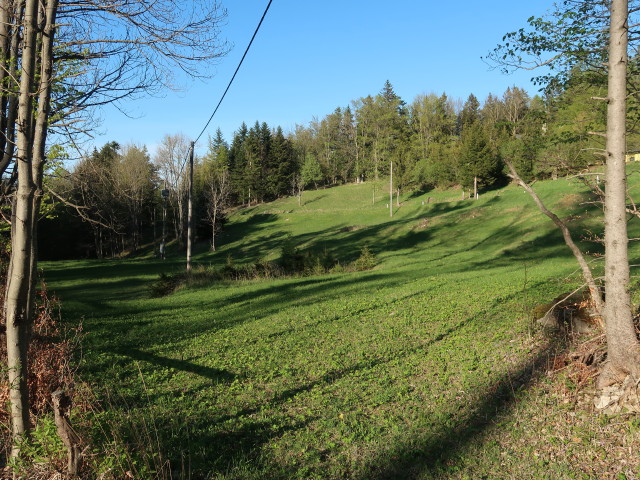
366	260
420	365
43	448
291	259
311	172
477	160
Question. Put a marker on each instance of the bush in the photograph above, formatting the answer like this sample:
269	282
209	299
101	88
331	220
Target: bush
366	260
292	262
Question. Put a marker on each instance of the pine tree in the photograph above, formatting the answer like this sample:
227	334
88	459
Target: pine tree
469	114
477	162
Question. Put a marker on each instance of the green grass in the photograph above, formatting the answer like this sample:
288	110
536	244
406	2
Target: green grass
415	369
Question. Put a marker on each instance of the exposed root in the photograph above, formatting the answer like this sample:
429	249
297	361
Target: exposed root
610	375
619	397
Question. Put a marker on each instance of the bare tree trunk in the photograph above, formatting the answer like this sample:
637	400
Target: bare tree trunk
391	192
100	246
190	210
61	406
623	350
213	231
155	226
18	304
11	50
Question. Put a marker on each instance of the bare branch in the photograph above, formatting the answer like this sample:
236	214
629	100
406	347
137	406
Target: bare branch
596	295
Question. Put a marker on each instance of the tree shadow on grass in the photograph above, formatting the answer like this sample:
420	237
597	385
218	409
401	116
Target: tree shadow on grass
214	374
141	326
217	443
312	200
435	455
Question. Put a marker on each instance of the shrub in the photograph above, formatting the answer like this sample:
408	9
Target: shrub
366	260
291	260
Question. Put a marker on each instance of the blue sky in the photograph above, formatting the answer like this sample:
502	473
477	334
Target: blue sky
313	56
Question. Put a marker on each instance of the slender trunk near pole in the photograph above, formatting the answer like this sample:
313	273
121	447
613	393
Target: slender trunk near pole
213	230
213	238
391	192
398	197
163	244
623	351
190	210
96	239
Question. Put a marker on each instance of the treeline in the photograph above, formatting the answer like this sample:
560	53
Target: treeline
123	197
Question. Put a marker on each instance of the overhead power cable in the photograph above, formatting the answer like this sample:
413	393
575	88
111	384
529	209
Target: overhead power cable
236	72
184	162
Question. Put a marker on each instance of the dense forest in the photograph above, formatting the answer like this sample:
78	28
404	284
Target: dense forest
113	197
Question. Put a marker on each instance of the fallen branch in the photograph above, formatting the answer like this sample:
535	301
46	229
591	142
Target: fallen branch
596	295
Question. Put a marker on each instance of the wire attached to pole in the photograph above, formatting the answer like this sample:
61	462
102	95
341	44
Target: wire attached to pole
235	73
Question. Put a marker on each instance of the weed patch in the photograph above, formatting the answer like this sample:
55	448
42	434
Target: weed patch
50	354
292	264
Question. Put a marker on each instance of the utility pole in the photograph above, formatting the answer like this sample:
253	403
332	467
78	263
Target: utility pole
391	192
165	196
190	210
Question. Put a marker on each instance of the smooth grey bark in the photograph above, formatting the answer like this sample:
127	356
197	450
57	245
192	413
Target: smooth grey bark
623	350
190	210
32	123
18	306
10	44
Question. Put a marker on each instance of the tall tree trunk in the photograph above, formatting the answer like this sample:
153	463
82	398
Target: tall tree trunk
18	298
190	210
391	192
213	230
11	12
623	350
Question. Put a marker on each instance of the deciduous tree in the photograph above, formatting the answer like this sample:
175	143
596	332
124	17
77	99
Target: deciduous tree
594	35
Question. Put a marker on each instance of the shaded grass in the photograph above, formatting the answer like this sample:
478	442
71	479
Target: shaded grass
398	372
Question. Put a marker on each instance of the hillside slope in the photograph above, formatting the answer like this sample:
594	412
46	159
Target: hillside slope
426	366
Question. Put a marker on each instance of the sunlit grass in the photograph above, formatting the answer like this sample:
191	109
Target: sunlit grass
389	373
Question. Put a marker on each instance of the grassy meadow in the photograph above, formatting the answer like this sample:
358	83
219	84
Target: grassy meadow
426	366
